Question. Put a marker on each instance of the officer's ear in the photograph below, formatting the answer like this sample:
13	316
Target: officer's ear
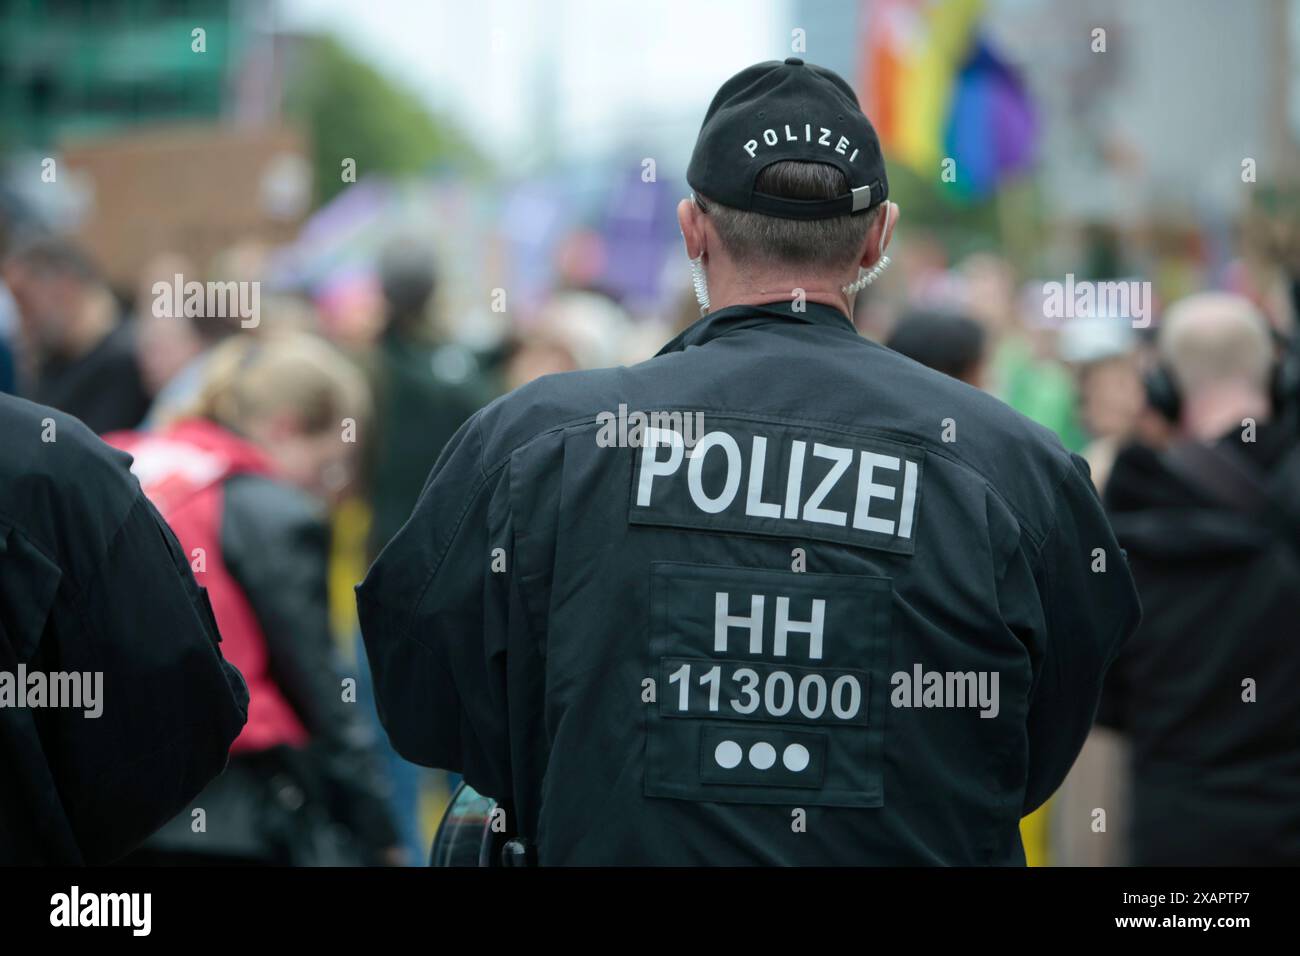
691	222
880	234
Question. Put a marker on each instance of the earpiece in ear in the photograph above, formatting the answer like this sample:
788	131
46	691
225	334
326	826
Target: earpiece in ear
868	276
700	284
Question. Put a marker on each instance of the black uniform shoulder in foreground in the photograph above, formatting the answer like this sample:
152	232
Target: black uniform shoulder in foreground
778	595
116	706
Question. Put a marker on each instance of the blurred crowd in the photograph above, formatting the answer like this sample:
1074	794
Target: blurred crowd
321	432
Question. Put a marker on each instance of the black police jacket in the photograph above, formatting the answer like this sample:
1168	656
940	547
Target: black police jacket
93	582
855	612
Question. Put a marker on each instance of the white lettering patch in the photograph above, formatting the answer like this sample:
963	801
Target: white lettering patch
759	477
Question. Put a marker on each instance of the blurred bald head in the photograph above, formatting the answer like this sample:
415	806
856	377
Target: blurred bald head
1219	350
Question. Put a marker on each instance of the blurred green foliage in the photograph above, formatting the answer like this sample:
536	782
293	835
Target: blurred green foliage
352	111
1011	222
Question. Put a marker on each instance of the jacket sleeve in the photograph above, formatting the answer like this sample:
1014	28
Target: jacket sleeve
171	704
437	660
276	544
1071	601
1084	606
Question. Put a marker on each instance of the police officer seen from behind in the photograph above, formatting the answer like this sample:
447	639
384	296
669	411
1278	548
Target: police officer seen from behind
778	595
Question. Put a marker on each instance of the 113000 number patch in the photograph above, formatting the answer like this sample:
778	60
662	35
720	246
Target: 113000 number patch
755	690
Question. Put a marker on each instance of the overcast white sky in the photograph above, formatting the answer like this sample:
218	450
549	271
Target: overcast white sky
576	77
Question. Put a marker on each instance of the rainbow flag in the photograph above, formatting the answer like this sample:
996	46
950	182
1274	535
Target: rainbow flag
935	89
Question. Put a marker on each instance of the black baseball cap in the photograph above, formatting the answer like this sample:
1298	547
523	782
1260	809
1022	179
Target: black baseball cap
788	110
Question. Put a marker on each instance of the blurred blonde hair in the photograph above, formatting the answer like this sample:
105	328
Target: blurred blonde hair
1213	337
251	378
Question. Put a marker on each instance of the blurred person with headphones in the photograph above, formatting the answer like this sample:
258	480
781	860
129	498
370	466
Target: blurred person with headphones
1205	690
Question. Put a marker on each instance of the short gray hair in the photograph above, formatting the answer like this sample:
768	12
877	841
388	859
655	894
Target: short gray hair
752	238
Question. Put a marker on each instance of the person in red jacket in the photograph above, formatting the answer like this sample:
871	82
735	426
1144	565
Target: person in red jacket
241	478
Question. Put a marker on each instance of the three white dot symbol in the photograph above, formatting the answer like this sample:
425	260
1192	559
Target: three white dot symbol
762	756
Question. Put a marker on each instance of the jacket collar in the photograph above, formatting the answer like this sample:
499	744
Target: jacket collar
745	316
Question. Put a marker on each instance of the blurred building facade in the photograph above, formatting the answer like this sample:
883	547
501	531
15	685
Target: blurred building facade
84	68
